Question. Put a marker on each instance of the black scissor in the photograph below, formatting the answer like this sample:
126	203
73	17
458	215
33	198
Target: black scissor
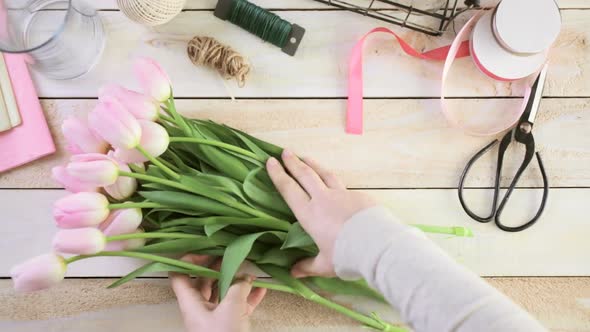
522	134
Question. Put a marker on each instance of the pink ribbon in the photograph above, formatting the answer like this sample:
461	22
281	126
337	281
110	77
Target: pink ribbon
458	49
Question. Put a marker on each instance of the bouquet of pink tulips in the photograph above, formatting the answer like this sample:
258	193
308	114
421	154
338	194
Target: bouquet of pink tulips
151	184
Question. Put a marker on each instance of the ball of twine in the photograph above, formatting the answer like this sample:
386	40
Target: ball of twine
229	63
151	12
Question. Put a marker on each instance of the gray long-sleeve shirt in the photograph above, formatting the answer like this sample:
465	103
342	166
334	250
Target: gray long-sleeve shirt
431	291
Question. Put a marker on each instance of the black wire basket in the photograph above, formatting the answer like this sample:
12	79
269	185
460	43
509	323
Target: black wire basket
428	16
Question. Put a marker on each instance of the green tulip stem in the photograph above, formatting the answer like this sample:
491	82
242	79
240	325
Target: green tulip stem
135	205
455	230
372	322
168	164
166	118
228	202
201	271
156	162
198	270
171	106
152	235
219	144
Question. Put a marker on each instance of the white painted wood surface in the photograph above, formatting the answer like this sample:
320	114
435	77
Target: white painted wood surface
310	4
407	144
557	246
320	67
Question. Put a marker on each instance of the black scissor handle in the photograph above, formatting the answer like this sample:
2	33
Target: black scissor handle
470	163
496	211
513	185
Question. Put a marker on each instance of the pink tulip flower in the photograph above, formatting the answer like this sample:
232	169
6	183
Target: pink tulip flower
80	241
115	124
139	105
80	138
154	139
38	273
81	210
126	244
93	168
153	79
70	183
124	187
122	221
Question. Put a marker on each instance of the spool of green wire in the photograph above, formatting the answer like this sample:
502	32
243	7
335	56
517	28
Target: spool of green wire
264	24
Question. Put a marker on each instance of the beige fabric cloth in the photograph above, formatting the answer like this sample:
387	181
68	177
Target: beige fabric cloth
432	292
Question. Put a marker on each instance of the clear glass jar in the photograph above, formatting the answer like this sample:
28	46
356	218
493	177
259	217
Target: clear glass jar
64	38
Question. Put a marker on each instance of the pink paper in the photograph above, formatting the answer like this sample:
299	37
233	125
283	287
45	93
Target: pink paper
32	139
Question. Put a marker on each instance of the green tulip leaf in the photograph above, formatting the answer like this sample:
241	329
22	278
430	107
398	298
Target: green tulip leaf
297	238
269	148
235	254
214	228
267	198
149	268
186	201
180	246
284	258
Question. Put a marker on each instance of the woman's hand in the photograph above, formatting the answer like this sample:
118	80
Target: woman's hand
321	203
197	300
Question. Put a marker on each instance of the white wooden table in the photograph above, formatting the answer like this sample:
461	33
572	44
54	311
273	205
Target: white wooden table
409	157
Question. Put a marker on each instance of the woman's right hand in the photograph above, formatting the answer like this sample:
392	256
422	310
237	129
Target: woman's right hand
321	203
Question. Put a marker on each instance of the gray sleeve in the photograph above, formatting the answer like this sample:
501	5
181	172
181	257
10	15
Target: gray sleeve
431	291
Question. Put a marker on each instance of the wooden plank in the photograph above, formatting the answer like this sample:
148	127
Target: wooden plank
320	67
407	143
561	304
556	246
309	4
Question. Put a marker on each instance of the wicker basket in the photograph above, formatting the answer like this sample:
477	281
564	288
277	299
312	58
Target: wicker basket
151	12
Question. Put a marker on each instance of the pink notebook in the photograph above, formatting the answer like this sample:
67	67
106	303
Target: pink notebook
32	139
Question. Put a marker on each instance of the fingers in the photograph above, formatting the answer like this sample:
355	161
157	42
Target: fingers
205	285
311	267
291	191
203	260
190	300
305	175
331	180
255	297
239	291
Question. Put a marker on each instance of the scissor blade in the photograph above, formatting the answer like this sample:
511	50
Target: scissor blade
536	95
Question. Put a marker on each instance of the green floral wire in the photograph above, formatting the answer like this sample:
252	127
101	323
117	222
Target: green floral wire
264	24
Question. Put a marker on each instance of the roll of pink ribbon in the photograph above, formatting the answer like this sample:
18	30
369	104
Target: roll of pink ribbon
477	39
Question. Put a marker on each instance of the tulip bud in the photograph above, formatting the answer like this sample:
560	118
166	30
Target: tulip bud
124	187
115	124
153	79
93	168
126	244
154	139
81	210
139	105
70	183
121	221
80	138
38	273
80	241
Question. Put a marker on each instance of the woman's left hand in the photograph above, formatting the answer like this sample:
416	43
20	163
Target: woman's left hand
199	306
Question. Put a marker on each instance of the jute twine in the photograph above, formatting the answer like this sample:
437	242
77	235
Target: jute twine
151	12
229	63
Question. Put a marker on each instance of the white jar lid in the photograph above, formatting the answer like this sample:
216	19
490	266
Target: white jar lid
497	60
527	26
